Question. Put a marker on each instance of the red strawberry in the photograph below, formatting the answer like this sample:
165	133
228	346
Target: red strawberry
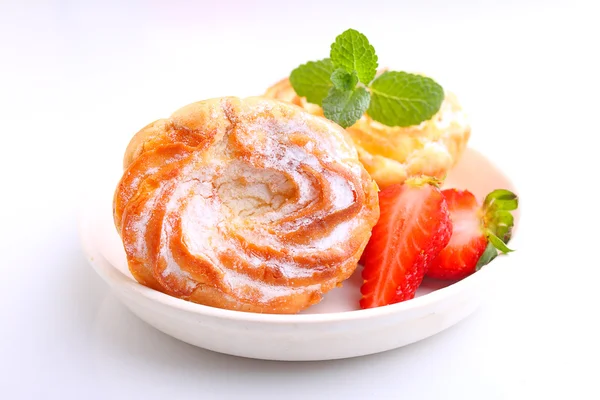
477	232
413	226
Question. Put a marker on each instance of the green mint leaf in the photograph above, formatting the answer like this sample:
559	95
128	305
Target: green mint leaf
403	99
312	80
352	52
488	255
344	80
345	107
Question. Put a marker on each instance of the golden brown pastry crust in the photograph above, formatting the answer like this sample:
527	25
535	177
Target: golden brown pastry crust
252	205
391	155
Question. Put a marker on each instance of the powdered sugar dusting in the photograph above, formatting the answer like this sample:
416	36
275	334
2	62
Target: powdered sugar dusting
343	195
245	288
172	267
249	206
140	248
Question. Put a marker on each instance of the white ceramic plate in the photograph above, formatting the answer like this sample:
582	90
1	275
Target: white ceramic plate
333	329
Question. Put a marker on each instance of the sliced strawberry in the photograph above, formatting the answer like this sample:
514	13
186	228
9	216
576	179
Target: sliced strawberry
413	226
468	241
477	232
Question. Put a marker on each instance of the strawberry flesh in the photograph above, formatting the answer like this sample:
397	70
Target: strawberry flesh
414	226
468	242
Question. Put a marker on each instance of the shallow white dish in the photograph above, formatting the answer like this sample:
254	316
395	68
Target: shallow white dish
333	329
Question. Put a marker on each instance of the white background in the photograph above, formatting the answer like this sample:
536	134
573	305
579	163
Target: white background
78	78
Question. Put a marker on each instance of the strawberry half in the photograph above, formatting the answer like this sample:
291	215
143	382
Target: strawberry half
414	225
478	232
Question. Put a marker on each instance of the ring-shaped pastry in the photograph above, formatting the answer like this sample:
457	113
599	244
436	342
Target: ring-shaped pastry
253	205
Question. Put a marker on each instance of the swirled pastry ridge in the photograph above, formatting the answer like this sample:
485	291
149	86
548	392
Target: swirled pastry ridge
392	154
251	205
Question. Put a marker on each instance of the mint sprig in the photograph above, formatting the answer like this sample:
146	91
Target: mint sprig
344	80
346	87
313	80
403	99
346	106
353	52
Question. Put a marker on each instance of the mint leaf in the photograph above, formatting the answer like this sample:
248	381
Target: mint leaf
345	107
344	80
403	99
312	80
353	52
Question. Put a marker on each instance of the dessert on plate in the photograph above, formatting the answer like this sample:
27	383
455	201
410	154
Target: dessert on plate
393	154
245	204
267	203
